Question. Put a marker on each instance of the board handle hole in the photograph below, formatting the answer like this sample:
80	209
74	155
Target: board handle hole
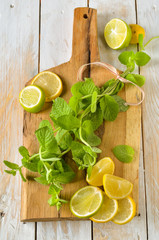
85	16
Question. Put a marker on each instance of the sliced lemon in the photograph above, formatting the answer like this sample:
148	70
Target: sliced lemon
117	34
107	211
126	211
103	166
32	98
136	30
116	187
50	83
86	201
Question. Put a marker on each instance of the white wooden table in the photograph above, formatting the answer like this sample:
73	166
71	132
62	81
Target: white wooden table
36	35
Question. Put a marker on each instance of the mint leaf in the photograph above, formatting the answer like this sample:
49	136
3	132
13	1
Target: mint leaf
94	102
75	90
45	123
126	57
12	172
32	166
53	201
63	138
96	118
142	58
96	150
41	180
109	108
74	104
137	79
47	140
65	177
88	134
121	102
24	152
11	165
124	153
60	108
140	39
68	122
88	87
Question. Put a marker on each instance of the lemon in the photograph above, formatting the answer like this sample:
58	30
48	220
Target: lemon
136	30
103	166
107	211
50	83
117	34
126	211
116	187
32	98
86	201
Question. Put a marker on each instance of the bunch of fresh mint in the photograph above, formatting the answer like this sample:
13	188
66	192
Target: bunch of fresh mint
75	124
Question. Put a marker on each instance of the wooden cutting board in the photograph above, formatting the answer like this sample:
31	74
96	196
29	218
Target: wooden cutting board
124	130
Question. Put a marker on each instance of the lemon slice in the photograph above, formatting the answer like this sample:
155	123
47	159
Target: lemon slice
50	83
126	211
103	166
107	211
117	34
32	99
86	201
116	187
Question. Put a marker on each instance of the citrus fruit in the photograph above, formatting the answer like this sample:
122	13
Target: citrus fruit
117	34
86	201
32	98
126	211
103	166
136	30
107	211
50	83
116	187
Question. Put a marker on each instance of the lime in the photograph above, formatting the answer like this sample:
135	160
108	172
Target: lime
117	34
86	201
107	211
50	83
32	98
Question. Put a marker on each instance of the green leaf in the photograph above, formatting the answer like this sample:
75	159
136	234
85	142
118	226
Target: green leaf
88	87
24	152
63	138
88	134
88	159
75	90
68	122
141	58
65	177
74	104
124	153
96	150
32	166
60	108
77	150
11	165
94	102
96	118
137	79
53	201
13	172
45	123
109	108
141	38
121	102
47	140
58	166
41	180
126	57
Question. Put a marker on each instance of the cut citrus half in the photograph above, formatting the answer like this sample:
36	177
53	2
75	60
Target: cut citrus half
116	187
103	166
126	211
32	98
107	211
50	83
136	30
86	201
117	34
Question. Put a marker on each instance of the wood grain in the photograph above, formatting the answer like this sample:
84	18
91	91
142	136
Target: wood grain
148	17
19	34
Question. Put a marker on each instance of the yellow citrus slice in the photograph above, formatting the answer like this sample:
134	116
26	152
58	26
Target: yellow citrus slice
107	211
103	166
50	83
32	98
116	187
136	30
117	34
126	211
86	201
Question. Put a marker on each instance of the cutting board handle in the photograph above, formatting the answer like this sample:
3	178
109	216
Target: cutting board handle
85	34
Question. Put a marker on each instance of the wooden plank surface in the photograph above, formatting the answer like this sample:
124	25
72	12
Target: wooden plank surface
19	34
148	17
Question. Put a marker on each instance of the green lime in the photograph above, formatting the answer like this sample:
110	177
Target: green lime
86	201
117	34
32	98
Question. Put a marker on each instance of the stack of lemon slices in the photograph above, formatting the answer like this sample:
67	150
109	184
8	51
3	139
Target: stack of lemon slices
112	204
